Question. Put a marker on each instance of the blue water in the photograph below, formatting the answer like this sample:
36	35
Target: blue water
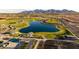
39	27
14	40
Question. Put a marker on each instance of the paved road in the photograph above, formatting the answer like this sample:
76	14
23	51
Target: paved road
72	28
37	44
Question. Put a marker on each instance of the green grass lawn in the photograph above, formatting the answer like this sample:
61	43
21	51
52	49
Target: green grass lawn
21	23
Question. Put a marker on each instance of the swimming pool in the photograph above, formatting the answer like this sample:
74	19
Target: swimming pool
14	40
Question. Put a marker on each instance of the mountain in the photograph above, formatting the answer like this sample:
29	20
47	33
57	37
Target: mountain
49	11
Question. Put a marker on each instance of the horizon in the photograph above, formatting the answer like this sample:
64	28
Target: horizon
20	10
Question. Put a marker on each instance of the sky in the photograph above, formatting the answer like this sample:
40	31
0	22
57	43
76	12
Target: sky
21	5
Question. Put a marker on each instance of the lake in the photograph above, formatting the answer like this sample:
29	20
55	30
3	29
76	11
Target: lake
37	26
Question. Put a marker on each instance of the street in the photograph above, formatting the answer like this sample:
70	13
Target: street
73	28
